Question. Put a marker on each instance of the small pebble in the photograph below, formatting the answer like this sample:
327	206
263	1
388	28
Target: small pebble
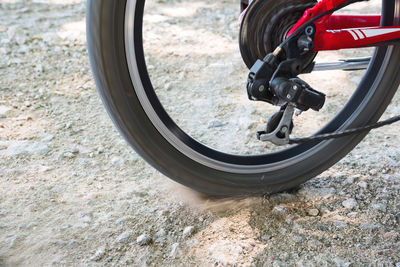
352	214
174	250
279	210
125	237
215	124
143	240
350	203
98	255
362	184
313	212
188	231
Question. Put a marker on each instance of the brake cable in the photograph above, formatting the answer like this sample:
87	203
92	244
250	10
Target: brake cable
338	134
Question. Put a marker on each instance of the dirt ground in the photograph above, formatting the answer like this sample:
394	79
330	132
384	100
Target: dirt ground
73	193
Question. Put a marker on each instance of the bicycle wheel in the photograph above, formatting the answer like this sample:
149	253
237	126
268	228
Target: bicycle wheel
124	64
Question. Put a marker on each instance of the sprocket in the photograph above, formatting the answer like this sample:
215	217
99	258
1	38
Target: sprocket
266	24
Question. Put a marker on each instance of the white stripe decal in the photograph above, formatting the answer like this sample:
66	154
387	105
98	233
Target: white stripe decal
359	33
353	34
377	32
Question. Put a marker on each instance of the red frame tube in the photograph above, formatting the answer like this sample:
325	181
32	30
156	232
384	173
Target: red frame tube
334	32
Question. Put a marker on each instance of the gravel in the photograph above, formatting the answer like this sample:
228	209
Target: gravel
73	193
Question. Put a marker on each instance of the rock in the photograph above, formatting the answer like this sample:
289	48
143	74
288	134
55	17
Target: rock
125	237
144	240
117	161
12	241
373	172
161	233
350	204
322	228
279	210
47	138
3	213
16	34
379	207
215	124
99	254
398	264
86	219
340	224
4	112
368	226
188	231
68	155
352	214
65	227
68	125
342	262
362	184
350	180
174	250
23	148
40	149
313	212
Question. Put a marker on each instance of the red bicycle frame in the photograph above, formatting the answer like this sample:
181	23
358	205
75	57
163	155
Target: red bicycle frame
334	32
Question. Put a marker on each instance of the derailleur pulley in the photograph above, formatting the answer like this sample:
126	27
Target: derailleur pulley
277	83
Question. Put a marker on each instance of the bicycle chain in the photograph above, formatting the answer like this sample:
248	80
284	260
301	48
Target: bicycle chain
328	136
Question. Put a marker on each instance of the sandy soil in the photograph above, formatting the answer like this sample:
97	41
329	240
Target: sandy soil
73	193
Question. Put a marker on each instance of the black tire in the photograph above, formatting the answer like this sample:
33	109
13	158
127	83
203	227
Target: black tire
183	159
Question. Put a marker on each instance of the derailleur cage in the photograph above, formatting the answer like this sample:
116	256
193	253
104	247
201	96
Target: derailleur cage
279	135
277	83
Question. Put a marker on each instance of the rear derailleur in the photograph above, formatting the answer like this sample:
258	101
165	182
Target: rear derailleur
275	81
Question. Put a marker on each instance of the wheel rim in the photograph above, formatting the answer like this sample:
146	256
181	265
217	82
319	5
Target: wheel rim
213	158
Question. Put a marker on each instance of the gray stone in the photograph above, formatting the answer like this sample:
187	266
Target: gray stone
117	161
99	254
350	203
342	262
40	149
125	237
160	233
340	224
279	210
352	214
31	225
188	231
215	124
368	226
398	264
174	250
144	240
313	212
4	112
47	138
68	155
362	184
379	207
12	241
23	148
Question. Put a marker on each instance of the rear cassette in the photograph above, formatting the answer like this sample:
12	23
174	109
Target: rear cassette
266	24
